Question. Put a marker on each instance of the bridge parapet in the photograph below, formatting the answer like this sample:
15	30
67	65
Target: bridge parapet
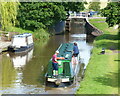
89	27
79	15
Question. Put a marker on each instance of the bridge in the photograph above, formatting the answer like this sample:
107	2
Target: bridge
85	16
79	15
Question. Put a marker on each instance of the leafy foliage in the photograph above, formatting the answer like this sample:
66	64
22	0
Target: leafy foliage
41	34
94	6
34	15
112	12
8	13
74	6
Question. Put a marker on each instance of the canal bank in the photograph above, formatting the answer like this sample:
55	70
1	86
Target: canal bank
4	45
40	34
101	75
27	71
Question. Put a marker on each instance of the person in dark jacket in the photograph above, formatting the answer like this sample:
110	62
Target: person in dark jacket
75	50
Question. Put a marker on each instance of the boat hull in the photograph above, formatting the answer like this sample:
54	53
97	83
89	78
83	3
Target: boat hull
67	68
65	79
22	49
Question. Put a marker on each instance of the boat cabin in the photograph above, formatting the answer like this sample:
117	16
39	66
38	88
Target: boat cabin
66	69
21	42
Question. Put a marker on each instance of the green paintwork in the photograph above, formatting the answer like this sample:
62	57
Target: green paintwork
65	50
60	67
64	66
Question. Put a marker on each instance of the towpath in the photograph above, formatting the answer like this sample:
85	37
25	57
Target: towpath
4	45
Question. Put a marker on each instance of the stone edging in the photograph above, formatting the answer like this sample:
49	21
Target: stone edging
92	29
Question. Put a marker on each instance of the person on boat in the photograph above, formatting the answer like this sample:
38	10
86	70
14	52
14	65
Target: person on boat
75	50
55	63
75	54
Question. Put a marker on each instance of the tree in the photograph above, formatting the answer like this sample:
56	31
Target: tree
35	15
74	6
8	13
112	12
94	6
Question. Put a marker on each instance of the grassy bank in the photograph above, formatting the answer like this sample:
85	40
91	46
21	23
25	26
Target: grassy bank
101	75
39	34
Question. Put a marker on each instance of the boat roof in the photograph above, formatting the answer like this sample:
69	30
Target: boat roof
22	35
65	50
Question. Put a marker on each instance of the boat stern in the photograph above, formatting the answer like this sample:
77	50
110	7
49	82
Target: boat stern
54	79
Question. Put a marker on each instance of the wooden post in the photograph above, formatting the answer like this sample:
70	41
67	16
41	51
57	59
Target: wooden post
67	26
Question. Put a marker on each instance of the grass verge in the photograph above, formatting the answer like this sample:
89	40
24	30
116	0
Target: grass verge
101	75
39	34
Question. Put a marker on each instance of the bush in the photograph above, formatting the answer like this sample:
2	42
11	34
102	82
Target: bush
37	34
41	34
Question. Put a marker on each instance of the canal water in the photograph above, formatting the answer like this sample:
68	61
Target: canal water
24	73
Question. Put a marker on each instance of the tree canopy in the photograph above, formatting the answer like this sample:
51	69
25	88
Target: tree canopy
94	6
112	12
8	13
34	15
74	6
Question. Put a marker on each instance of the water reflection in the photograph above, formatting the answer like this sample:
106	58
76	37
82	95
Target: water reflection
25	73
84	47
20	60
78	34
62	90
8	72
13	73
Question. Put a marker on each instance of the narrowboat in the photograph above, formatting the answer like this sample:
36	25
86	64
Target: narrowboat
68	68
21	43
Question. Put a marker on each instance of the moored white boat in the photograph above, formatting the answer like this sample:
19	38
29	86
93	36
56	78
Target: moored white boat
21	43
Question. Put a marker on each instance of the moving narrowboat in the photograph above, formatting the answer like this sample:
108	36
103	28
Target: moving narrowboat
68	68
21	43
